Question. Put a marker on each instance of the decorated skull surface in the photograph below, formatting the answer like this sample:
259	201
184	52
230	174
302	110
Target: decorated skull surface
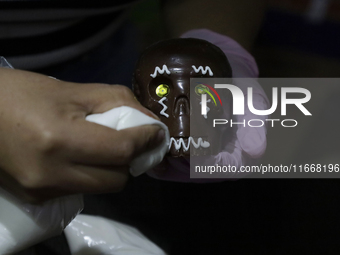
162	84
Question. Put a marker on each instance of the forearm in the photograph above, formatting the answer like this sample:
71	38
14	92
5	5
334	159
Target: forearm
239	19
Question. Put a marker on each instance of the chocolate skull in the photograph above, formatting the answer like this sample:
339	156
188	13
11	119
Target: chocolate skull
162	84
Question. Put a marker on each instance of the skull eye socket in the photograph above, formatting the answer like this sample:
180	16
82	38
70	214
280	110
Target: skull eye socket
201	89
162	90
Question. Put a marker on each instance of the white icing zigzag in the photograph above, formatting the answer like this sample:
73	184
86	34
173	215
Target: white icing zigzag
204	71
208	109
161	71
164	107
180	142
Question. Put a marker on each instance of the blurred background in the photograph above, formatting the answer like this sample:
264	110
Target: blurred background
299	38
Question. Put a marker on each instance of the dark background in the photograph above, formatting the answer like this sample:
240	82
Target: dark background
248	216
268	216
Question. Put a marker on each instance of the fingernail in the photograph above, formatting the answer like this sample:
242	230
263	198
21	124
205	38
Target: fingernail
160	136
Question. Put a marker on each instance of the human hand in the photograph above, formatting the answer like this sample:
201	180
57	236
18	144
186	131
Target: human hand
247	145
49	150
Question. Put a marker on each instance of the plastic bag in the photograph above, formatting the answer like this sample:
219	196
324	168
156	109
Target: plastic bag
4	63
127	117
90	235
23	225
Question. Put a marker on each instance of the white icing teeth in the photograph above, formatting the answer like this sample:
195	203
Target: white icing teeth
179	143
208	109
205	144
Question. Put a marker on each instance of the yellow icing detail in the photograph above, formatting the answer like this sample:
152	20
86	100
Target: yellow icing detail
201	89
162	90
